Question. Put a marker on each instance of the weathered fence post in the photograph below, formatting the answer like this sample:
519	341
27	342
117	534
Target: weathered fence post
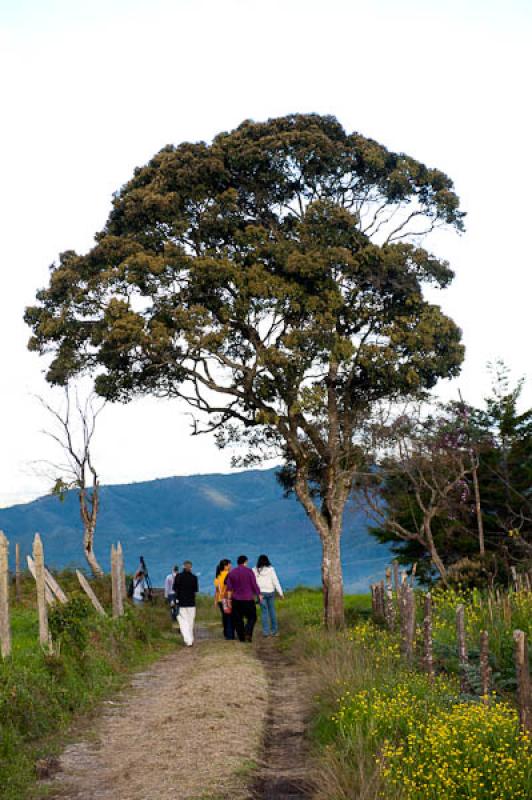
85	585
373	601
410	622
17	573
380	600
428	659
40	582
5	628
54	587
49	595
122	573
485	669
116	589
395	565
462	648
523	679
389	609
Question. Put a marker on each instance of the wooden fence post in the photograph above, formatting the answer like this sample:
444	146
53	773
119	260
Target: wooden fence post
485	669
410	622
17	573
523	680
116	589
373	601
40	582
122	573
379	600
5	628
428	658
462	648
395	565
85	585
49	595
389	609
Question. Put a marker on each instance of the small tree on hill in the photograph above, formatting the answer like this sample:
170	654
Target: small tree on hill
73	431
273	280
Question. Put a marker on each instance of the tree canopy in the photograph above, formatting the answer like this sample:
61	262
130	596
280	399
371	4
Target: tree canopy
272	279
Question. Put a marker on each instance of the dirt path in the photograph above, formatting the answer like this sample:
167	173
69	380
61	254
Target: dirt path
178	732
203	724
284	770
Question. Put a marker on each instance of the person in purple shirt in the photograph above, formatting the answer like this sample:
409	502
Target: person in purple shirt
242	589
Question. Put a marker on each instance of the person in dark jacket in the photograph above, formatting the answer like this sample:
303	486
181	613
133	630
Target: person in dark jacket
242	589
185	588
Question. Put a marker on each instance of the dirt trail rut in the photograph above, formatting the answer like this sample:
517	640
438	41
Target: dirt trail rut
284	771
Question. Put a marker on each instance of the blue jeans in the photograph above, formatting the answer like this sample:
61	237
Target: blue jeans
267	613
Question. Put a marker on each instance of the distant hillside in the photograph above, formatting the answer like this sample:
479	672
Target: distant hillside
199	517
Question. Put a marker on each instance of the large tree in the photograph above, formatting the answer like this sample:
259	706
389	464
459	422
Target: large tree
273	280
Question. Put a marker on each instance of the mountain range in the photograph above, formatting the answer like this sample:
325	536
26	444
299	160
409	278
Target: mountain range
199	517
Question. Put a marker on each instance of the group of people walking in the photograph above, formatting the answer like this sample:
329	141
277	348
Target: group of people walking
236	592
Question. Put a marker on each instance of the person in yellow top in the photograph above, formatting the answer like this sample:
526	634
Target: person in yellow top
220	597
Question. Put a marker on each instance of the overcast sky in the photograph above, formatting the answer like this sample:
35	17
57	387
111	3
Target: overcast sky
89	90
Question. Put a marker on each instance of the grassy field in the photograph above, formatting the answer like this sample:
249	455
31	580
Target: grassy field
381	729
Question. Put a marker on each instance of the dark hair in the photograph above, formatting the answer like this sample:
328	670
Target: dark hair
187	564
176	568
263	561
222	565
241	560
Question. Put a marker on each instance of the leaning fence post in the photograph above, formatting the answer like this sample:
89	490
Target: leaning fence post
17	573
40	582
485	669
85	585
5	629
523	679
427	637
462	648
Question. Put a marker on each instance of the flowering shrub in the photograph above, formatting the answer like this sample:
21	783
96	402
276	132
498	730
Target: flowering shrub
467	751
431	746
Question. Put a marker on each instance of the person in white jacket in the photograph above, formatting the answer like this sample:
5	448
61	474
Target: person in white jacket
268	585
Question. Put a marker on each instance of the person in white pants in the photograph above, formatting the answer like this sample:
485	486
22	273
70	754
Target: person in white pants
186	588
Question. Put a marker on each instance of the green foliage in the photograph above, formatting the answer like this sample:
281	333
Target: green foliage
279	250
68	623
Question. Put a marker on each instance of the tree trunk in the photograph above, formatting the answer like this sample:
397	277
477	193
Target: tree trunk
330	531
88	544
333	589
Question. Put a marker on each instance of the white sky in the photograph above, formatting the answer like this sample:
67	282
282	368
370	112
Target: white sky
89	90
